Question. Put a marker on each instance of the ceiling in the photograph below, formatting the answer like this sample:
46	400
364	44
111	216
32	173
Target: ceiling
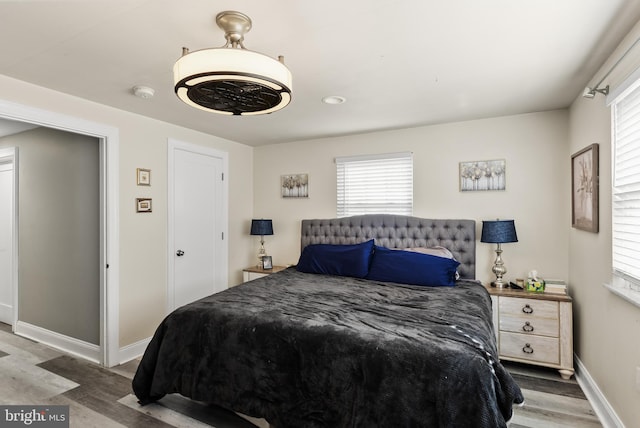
398	63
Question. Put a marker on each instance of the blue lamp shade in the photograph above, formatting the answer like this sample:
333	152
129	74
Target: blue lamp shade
261	227
499	231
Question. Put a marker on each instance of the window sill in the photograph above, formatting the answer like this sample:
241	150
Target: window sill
627	294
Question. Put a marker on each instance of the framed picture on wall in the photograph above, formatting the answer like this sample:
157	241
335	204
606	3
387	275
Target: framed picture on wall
143	177
294	185
483	175
584	189
143	205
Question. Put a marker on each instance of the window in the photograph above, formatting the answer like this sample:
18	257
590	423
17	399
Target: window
375	184
626	188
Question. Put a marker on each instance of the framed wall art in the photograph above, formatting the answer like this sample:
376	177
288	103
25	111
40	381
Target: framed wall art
483	175
294	185
143	177
143	205
584	189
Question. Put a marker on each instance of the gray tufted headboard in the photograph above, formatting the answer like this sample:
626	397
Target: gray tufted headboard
397	231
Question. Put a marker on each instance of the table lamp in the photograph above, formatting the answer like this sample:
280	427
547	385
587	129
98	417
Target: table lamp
261	227
499	232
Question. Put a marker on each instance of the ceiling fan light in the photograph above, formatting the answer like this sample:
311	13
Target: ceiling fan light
228	61
231	79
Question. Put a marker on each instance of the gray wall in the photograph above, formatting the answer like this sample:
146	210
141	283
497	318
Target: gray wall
59	251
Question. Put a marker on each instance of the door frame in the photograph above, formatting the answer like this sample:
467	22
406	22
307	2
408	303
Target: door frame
108	138
9	156
172	146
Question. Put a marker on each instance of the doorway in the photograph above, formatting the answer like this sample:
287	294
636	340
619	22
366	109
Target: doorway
58	237
197	218
7	236
107	353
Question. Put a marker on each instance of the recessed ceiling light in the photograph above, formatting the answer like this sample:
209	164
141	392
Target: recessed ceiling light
334	99
143	92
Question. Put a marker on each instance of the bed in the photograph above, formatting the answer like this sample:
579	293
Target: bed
304	349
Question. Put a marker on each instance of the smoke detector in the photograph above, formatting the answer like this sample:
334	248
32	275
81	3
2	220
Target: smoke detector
143	92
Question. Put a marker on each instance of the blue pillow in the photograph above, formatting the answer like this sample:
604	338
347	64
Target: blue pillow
412	268
345	260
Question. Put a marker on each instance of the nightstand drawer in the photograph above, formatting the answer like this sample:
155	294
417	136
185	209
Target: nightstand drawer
530	325
531	348
528	307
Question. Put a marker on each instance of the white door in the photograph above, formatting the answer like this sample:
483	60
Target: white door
197	222
6	243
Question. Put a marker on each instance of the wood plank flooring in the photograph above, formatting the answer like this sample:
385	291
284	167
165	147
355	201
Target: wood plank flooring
550	401
32	373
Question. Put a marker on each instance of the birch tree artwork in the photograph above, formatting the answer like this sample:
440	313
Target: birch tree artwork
295	185
482	175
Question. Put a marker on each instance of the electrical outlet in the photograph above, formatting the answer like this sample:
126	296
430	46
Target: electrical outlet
638	379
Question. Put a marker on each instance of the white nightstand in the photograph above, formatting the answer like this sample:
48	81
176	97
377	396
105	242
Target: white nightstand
534	328
255	272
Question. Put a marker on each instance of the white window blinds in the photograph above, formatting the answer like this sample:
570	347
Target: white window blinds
375	184
626	186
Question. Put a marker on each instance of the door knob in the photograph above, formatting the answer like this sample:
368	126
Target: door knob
179	253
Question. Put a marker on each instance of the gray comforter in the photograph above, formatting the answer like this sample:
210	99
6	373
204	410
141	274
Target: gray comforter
304	350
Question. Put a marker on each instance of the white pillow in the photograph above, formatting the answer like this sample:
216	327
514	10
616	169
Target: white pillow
434	251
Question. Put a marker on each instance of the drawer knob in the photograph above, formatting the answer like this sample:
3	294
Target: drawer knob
527	349
527	309
527	327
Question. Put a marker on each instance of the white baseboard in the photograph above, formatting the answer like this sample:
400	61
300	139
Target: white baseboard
6	313
133	351
78	347
601	406
73	346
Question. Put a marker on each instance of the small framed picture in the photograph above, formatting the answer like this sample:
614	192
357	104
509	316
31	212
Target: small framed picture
483	175
143	177
267	263
584	189
143	205
294	185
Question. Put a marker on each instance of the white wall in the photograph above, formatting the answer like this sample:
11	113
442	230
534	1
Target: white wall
536	152
143	237
606	327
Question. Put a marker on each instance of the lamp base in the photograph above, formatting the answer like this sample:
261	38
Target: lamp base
499	284
499	269
261	253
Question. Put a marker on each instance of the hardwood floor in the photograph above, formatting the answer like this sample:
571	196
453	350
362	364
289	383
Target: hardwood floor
550	401
32	373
